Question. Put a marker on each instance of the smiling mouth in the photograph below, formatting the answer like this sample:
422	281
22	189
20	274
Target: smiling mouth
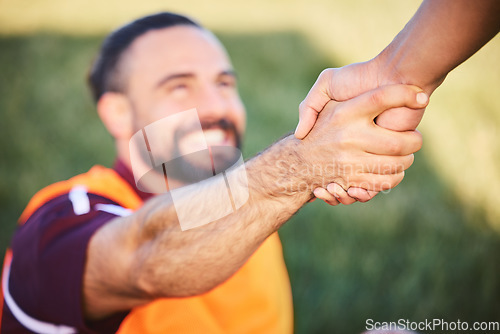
199	140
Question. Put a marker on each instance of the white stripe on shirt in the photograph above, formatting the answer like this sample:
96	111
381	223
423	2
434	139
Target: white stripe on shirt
113	209
80	200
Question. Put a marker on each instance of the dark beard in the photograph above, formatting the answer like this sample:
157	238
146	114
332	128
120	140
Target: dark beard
196	166
201	165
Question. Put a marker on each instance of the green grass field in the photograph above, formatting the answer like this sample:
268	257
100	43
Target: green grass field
427	249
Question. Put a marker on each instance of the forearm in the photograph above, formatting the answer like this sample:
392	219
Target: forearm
439	37
177	260
160	260
135	259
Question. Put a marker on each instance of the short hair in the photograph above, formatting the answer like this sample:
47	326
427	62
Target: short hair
103	76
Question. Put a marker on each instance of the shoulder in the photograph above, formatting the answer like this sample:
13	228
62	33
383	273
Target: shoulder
98	181
49	248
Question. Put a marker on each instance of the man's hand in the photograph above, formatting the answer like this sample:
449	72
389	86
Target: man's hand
342	84
440	36
356	151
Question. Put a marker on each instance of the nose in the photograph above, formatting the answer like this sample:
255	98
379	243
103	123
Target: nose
212	103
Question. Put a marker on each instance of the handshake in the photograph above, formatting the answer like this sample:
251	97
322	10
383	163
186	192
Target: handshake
365	135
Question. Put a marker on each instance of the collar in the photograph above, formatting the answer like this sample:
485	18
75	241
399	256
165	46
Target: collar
122	170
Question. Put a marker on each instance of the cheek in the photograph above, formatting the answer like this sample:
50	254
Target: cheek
243	122
158	124
159	111
239	116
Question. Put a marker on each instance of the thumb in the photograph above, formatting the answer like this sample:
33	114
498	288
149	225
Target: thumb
307	118
315	101
376	101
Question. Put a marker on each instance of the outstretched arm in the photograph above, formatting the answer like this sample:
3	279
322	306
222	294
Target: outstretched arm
441	35
133	260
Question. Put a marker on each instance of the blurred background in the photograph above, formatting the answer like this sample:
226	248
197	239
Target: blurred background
427	249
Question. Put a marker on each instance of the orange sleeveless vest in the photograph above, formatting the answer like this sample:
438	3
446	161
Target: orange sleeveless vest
256	299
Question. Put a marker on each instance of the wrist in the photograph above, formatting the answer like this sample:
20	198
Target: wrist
392	66
309	169
282	171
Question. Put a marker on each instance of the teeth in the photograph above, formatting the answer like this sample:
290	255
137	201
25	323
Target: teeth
197	140
192	142
214	136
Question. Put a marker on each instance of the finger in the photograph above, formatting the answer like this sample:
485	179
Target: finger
314	102
400	119
381	141
325	196
376	101
360	194
380	164
340	194
375	182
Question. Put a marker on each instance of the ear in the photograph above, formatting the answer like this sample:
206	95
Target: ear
115	111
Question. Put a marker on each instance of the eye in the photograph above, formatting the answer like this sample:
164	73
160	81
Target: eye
227	82
179	87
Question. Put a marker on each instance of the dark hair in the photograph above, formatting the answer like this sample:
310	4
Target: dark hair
103	74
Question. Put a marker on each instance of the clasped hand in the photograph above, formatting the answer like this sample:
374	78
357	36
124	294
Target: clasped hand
366	157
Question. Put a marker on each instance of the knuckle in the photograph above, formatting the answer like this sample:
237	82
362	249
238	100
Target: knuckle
326	73
332	202
397	178
392	168
390	181
394	147
302	107
402	164
325	80
418	141
387	184
377	98
409	161
340	116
